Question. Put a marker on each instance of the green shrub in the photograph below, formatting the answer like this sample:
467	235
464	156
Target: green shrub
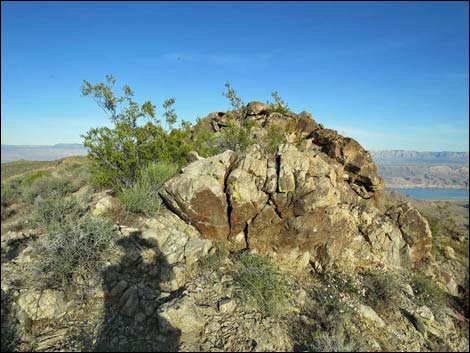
116	154
142	197
279	106
331	295
74	247
30	177
234	138
45	187
274	138
261	285
10	194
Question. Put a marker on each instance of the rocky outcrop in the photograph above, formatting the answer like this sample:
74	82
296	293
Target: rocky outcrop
357	162
358	165
415	230
298	202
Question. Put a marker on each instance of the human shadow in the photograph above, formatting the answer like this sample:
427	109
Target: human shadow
133	294
9	336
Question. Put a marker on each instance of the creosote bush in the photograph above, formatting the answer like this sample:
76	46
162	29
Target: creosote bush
72	248
261	285
279	106
142	196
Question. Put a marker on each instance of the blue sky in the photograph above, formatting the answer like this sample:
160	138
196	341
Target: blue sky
393	75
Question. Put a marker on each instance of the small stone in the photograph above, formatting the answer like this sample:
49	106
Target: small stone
226	305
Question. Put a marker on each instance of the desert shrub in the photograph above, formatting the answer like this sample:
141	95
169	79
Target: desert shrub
45	187
142	196
74	247
279	106
427	292
235	138
381	289
30	177
56	210
204	141
117	154
261	285
274	138
10	194
325	342
214	259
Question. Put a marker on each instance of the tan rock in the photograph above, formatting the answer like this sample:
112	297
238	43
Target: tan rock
46	304
198	194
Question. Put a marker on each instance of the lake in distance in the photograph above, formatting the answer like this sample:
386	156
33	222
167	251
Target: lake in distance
434	193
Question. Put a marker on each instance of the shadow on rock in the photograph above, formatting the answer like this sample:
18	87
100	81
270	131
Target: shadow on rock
9	336
133	293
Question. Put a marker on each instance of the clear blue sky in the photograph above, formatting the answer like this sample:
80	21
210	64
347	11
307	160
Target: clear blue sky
392	75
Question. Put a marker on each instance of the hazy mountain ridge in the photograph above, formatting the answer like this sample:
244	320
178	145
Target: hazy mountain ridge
414	157
41	152
423	169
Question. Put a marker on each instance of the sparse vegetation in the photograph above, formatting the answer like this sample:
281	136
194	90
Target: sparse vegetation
279	106
261	285
46	186
214	259
325	342
274	138
53	211
236	136
332	297
71	248
29	178
382	289
427	292
142	196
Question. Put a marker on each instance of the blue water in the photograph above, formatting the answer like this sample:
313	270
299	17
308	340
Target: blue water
434	193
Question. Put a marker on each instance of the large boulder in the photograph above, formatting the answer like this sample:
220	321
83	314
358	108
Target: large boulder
198	194
415	230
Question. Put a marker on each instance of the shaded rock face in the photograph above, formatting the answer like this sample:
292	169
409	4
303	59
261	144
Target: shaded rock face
298	203
357	162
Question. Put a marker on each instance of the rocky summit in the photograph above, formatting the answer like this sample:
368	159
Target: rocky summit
288	248
317	202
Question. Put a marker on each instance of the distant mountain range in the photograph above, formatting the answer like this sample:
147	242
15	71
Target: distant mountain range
41	152
413	157
411	169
